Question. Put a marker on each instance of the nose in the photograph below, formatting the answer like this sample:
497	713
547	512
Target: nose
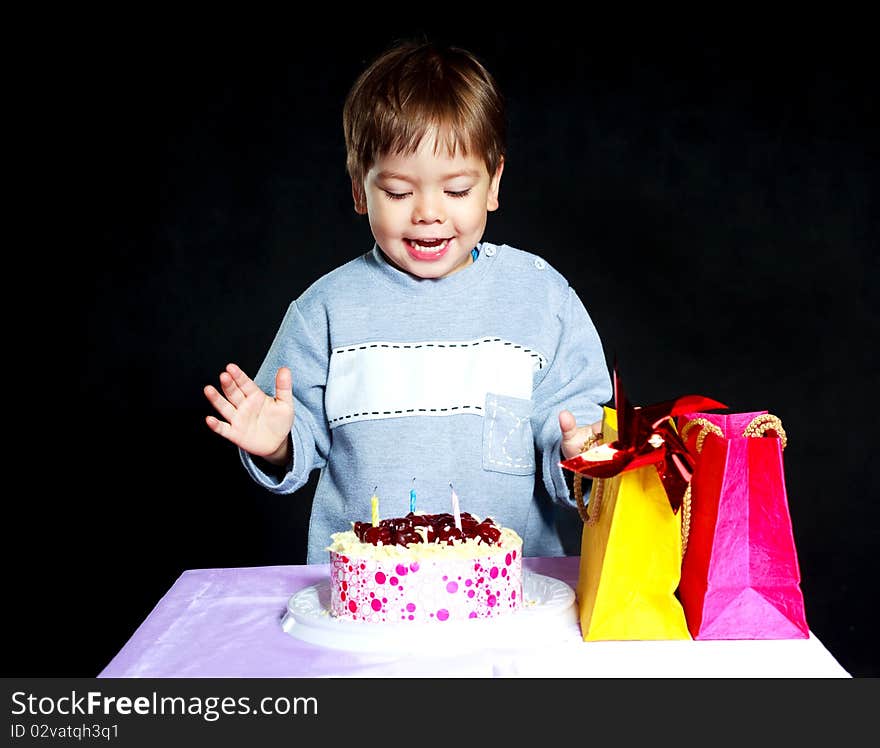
428	208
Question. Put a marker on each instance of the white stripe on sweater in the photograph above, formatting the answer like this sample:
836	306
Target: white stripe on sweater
394	380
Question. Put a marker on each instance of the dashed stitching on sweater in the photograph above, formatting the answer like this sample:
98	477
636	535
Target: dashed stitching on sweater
406	410
533	354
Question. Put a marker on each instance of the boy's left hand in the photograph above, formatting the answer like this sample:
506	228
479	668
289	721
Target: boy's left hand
574	436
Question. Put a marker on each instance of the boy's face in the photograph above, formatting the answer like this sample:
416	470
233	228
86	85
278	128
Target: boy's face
428	211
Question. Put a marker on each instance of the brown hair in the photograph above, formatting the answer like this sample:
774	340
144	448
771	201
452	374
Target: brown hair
416	86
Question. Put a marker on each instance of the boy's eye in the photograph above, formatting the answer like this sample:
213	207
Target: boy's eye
402	195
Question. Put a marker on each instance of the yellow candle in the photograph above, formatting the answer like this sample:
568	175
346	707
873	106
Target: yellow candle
375	504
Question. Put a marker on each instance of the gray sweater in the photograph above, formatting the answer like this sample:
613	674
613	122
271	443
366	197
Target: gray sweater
458	380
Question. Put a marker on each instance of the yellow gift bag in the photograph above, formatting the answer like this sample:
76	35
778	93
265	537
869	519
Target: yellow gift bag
631	545
630	556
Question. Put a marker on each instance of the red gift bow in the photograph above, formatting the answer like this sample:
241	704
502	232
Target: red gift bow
647	435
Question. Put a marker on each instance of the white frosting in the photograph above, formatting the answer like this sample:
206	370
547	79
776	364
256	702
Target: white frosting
347	543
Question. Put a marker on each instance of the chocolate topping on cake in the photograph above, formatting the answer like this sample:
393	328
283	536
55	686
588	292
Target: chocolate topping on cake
433	528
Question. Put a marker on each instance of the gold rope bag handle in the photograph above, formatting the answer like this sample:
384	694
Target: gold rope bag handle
588	517
707	427
760	425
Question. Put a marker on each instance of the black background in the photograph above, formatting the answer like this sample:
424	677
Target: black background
711	202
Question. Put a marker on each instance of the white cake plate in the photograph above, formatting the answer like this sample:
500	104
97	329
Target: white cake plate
548	609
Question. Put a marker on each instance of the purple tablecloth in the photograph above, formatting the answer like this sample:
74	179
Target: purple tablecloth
227	623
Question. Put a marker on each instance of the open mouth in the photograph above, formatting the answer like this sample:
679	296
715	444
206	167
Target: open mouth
427	249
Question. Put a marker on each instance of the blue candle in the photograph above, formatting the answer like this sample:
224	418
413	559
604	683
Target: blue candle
412	498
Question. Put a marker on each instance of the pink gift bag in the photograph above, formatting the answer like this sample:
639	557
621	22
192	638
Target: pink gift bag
740	577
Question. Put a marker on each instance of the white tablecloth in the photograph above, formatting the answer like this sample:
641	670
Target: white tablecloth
228	623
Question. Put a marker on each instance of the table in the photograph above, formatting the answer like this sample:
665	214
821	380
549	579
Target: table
226	623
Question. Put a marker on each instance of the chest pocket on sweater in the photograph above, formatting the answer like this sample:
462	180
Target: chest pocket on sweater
508	444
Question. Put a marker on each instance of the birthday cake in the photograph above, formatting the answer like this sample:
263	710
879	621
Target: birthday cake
423	568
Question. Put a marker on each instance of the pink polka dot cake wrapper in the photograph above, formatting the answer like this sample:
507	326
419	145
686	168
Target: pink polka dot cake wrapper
425	590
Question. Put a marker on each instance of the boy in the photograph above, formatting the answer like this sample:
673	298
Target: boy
435	356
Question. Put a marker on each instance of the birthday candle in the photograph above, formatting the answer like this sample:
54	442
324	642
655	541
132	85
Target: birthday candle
412	498
374	501
456	513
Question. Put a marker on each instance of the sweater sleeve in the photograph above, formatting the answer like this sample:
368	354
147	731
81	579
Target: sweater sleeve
577	379
303	347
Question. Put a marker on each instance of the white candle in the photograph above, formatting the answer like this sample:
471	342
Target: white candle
456	513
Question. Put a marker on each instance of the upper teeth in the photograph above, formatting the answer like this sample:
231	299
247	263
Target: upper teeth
435	246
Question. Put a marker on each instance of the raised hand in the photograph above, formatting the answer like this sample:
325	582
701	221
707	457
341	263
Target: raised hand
573	437
257	423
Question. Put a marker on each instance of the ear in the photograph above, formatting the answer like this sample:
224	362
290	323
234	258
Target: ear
494	186
359	197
